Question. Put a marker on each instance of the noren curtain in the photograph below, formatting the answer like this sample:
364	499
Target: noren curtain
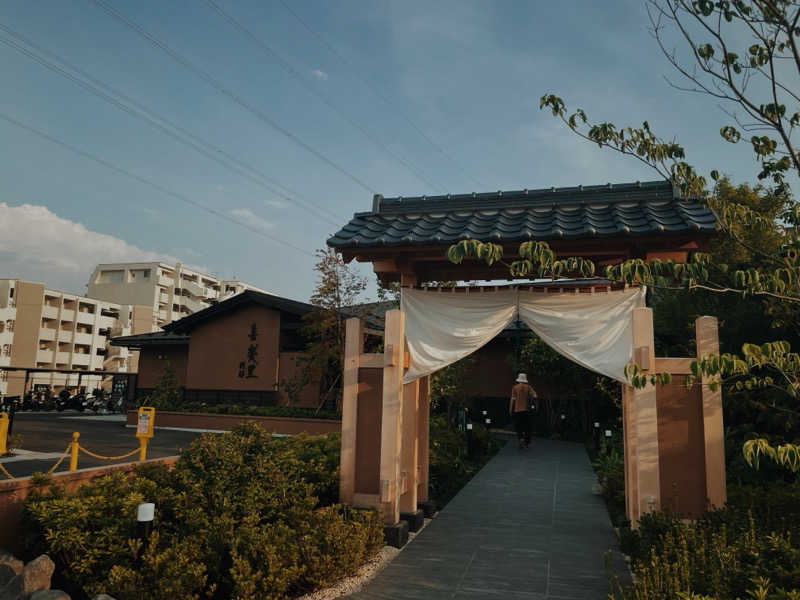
594	330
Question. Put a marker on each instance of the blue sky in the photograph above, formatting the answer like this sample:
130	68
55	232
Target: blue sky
468	74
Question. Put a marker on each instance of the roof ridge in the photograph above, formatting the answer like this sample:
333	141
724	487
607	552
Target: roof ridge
576	195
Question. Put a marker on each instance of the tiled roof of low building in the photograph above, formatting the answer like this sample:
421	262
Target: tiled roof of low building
648	208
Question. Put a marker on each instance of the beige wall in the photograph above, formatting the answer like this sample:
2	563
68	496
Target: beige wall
217	347
29	297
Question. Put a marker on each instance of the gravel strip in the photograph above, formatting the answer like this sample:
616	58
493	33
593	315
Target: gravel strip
350	585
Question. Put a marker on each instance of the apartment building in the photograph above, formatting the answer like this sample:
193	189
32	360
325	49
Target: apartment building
174	291
47	329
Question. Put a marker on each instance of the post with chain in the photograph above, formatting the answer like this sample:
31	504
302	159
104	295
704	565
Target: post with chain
73	451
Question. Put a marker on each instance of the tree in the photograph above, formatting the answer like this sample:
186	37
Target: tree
762	83
334	300
167	394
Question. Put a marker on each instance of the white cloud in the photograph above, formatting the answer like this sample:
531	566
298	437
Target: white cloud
38	245
248	216
319	74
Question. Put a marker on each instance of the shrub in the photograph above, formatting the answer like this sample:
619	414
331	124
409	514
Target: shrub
748	549
241	515
256	411
450	466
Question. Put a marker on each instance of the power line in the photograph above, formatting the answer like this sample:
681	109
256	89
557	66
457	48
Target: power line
112	96
216	84
149	183
379	94
299	77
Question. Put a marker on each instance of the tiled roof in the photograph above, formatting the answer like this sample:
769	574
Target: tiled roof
649	208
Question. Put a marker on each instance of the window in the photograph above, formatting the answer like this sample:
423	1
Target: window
6	349
2	327
10	324
114	276
139	274
3	375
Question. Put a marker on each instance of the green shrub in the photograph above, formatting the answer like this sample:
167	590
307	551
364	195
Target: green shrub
256	411
727	554
240	515
450	467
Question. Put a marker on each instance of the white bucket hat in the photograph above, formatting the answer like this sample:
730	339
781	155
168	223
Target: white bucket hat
522	378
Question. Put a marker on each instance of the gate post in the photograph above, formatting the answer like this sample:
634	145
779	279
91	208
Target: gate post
353	342
643	413
392	422
423	433
707	335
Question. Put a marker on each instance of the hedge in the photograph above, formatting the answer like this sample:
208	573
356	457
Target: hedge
241	515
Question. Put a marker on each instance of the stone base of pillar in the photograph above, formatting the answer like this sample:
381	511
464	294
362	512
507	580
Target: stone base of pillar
396	535
415	520
428	508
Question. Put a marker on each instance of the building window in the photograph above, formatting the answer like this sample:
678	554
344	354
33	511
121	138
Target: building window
114	276
10	324
2	326
6	349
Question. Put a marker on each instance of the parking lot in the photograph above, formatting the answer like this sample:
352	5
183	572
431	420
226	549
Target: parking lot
45	436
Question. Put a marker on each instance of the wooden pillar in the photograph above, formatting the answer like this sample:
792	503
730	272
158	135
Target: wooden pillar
706	330
410	451
391	426
354	336
629	454
423	436
645	419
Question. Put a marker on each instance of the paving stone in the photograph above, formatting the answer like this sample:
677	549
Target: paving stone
526	527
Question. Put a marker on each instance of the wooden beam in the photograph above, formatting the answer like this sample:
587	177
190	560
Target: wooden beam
707	334
676	366
410	450
392	417
423	434
354	339
371	361
646	421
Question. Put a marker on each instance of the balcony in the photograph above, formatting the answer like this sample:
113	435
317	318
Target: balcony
64	336
46	334
44	356
86	317
50	312
83	338
62	358
67	314
165	281
81	360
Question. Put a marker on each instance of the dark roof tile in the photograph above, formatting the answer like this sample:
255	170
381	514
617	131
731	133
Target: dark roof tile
585	211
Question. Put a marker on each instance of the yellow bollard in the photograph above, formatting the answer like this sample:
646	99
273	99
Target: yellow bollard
3	433
73	452
145	422
143	448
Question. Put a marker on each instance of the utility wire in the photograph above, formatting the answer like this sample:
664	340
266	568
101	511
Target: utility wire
220	87
287	66
375	90
112	96
149	183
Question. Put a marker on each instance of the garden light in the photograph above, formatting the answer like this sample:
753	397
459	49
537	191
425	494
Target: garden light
144	519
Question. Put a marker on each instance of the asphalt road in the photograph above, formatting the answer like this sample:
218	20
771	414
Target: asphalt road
50	432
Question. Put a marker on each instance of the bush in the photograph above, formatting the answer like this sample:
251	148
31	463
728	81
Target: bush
241	515
731	553
257	411
450	466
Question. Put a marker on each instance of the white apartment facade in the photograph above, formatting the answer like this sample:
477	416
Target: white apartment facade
174	291
47	329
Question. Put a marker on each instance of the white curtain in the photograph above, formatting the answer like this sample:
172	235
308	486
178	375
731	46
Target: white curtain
591	329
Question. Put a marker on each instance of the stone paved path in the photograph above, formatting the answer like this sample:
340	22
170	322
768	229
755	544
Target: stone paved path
527	526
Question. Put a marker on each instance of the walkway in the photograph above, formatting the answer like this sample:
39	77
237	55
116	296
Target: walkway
527	526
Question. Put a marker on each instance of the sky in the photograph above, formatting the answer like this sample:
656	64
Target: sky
291	122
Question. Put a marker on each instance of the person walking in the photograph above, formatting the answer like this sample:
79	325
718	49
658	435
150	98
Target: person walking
522	394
